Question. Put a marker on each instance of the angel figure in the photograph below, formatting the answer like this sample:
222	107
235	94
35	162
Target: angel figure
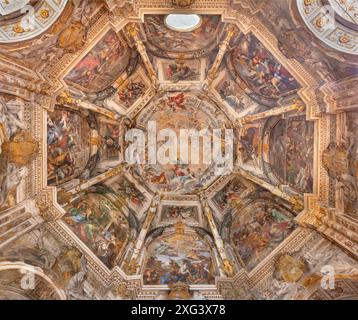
75	289
11	119
10	180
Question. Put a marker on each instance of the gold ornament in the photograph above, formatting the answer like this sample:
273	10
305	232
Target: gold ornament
290	269
21	149
94	141
132	29
320	22
344	39
297	203
179	227
65	98
2	135
64	197
182	3
179	291
131	267
17	28
44	13
228	268
73	38
123	292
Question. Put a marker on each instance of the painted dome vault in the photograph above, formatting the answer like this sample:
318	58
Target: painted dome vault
92	212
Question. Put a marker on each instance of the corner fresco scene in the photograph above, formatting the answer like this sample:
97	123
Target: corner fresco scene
100	225
178	259
256	235
108	59
178	150
67	146
294	139
259	70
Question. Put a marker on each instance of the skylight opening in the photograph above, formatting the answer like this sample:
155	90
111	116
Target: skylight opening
182	22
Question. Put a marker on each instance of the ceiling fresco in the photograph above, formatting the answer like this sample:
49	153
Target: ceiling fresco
100	225
256	234
179	258
139	161
162	39
107	60
259	70
177	111
68	148
292	138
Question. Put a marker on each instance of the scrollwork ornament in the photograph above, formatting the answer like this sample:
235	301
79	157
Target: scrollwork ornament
131	267
182	3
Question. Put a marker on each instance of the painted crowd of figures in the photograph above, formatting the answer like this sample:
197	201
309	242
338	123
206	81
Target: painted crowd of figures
340	159
131	92
100	67
256	235
110	141
166	39
231	93
257	67
66	151
100	225
128	193
238	99
229	195
179	212
249	144
178	258
178	176
77	142
293	138
351	187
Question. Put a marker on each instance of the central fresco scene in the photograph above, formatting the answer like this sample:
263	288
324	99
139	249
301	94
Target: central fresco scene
185	149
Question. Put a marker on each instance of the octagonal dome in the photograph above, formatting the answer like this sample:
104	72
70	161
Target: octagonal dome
192	149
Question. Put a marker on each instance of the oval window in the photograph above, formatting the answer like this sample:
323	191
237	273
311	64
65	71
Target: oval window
183	22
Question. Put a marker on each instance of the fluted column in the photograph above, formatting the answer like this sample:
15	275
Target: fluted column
227	264
297	105
276	190
66	196
212	73
133	264
132	30
65	99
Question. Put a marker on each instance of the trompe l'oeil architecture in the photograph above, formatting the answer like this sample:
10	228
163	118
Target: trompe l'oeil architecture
77	221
